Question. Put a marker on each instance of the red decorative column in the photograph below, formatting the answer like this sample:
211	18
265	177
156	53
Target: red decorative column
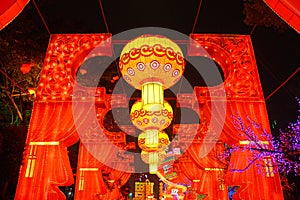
52	129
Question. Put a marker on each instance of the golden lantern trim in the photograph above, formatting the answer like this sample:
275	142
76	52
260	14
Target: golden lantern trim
148	50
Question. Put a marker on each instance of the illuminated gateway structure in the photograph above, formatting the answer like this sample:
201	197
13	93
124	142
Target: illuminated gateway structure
62	116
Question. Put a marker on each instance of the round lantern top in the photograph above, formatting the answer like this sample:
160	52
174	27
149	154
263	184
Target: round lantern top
150	58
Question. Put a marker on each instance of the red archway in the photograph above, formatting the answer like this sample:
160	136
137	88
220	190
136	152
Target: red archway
52	128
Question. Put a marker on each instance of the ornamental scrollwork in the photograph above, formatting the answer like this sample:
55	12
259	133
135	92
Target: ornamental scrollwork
235	56
64	56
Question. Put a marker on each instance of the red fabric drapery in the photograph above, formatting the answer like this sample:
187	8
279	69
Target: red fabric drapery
9	10
249	179
94	179
53	128
193	172
89	181
252	184
288	10
118	179
180	177
101	171
253	109
210	160
208	172
46	163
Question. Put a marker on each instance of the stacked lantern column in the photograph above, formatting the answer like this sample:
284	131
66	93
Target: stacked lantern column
152	64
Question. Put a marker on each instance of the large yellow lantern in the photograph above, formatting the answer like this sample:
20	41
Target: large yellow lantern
152	64
152	60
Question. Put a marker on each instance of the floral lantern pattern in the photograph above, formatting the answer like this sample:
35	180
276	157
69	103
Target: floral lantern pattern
152	64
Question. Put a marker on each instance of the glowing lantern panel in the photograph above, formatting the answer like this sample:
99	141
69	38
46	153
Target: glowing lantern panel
153	141
153	159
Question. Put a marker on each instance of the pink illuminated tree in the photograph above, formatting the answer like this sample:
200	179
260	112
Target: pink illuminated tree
283	149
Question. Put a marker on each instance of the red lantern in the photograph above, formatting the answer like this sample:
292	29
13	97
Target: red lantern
9	10
25	68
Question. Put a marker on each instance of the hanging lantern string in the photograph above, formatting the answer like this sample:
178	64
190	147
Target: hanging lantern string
118	71
41	16
197	16
282	84
103	16
266	65
178	92
253	29
107	30
13	82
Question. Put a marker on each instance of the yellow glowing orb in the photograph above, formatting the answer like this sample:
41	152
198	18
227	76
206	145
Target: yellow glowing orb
156	117
150	58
